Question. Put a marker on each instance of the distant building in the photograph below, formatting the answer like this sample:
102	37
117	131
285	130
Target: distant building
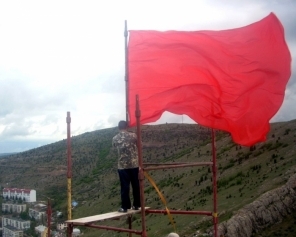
10	231
76	232
15	222
59	234
38	212
27	195
12	207
61	226
40	229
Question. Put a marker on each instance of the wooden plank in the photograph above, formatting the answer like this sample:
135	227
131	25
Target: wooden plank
105	216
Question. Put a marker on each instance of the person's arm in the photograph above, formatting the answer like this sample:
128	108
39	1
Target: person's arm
113	142
135	138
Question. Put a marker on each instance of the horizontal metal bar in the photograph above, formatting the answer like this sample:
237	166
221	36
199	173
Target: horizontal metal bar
170	166
114	228
206	213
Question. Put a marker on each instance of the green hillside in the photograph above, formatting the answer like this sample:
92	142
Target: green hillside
244	173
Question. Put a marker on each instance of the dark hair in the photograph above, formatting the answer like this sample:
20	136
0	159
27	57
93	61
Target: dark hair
122	124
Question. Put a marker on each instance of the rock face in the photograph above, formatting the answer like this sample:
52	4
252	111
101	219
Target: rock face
267	210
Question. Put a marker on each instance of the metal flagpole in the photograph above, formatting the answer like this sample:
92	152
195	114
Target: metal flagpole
49	213
126	71
141	171
69	165
214	170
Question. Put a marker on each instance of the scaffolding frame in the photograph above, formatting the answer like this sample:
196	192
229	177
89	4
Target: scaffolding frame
89	221
147	167
155	166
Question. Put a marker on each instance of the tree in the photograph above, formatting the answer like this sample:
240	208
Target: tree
25	215
31	230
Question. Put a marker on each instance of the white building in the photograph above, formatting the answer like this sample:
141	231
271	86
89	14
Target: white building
61	226
15	222
76	232
40	229
12	207
10	231
28	195
38	212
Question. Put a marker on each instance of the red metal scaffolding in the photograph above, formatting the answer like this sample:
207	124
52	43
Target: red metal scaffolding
148	167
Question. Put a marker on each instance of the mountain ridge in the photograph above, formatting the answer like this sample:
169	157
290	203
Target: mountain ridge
6	154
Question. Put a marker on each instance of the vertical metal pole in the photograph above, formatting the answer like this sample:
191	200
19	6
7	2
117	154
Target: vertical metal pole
48	217
69	230
141	171
126	71
214	170
69	166
130	224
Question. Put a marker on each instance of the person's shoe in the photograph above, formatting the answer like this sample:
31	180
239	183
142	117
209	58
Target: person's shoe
135	208
122	210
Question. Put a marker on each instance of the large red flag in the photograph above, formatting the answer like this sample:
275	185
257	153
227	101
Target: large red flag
233	80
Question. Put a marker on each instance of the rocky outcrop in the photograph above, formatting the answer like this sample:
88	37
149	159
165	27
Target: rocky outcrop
267	210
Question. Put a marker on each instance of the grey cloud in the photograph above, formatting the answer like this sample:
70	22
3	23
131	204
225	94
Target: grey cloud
287	17
21	145
292	80
114	119
15	129
99	125
18	97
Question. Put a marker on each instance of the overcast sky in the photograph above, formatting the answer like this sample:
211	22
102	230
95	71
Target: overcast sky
59	56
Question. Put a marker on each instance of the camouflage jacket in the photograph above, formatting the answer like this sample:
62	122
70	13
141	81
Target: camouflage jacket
126	144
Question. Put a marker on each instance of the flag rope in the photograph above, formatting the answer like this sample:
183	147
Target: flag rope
161	197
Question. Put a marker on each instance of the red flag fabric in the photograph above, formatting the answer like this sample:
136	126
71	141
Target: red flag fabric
233	80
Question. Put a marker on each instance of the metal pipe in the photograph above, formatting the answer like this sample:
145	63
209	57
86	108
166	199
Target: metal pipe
178	166
141	171
206	213
69	166
214	170
49	212
177	163
126	71
113	228
69	230
130	224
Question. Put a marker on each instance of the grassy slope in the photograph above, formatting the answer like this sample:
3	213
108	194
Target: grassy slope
244	174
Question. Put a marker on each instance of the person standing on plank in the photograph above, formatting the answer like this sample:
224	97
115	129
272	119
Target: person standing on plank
128	166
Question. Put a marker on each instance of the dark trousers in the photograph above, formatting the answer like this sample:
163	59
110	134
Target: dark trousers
127	177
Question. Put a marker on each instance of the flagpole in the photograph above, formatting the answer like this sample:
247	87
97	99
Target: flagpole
126	72
215	188
69	165
141	171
